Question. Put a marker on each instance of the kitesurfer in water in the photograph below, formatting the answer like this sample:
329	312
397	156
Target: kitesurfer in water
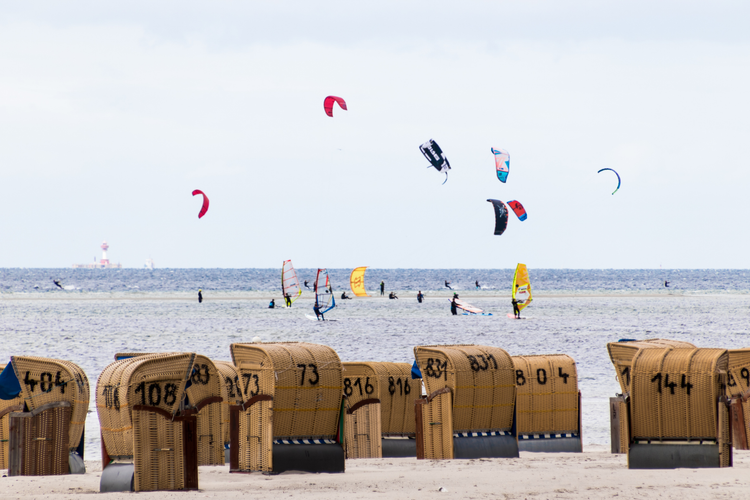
344	296
57	282
288	299
392	295
454	311
382	288
318	314
476	283
666	283
200	296
306	285
448	284
420	297
272	304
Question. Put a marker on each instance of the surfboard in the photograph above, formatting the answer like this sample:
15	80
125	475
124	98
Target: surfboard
313	318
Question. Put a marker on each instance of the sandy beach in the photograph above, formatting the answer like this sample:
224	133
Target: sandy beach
593	474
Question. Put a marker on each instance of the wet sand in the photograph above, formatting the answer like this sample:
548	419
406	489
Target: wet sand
593	474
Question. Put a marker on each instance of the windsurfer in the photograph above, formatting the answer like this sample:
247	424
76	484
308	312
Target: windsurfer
288	299
200	296
382	288
448	284
420	297
272	305
318	314
516	310
454	311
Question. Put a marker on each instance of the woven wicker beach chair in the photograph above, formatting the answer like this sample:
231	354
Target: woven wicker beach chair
548	403
46	438
154	421
291	416
621	354
387	388
232	395
470	404
677	409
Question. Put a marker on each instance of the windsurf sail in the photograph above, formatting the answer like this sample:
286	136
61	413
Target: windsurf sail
289	281
465	306
522	287
357	282
324	292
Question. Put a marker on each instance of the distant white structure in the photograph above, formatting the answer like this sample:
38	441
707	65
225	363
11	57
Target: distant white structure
104	263
149	263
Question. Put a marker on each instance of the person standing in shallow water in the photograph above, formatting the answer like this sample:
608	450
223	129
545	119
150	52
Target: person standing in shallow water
382	288
200	296
516	310
453	307
288	299
420	297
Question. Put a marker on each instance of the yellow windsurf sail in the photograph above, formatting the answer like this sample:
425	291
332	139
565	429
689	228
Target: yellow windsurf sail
522	286
357	282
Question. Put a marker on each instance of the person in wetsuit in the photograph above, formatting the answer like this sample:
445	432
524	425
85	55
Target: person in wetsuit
420	297
476	283
288	299
272	305
200	296
454	310
57	282
392	295
318	314
344	296
306	285
448	284
382	288
666	283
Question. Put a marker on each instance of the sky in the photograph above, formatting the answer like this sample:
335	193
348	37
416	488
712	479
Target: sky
111	114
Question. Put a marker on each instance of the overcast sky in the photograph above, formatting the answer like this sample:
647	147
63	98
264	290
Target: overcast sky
111	114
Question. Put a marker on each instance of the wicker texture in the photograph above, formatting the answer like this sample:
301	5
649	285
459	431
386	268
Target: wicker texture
230	392
308	385
547	394
660	406
738	385
437	427
159	456
622	353
44	441
17	405
154	380
481	378
362	427
206	382
46	380
257	421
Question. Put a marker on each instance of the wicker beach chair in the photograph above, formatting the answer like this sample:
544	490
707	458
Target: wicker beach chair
621	354
46	438
738	392
362	387
470	405
548	403
677	409
150	412
232	395
300	385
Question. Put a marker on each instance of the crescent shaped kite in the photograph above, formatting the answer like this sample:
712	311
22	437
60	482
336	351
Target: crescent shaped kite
618	178
518	210
502	163
328	104
501	216
204	208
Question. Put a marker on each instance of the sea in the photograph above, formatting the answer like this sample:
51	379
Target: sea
95	313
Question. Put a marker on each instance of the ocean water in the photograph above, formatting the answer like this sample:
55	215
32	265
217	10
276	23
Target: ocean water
575	312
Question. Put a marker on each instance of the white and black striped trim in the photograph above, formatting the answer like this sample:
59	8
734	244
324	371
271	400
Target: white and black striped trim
304	441
547	436
481	434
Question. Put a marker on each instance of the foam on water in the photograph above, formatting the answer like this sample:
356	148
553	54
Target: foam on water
710	309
